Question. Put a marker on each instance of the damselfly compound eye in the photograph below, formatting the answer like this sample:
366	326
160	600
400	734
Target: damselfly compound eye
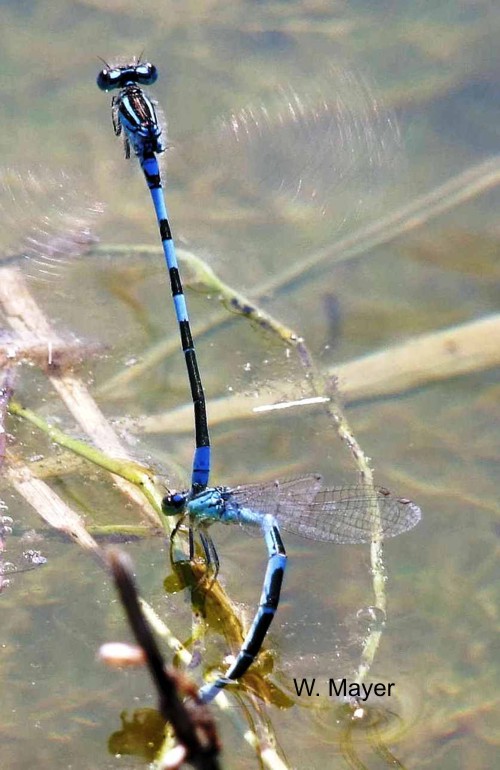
173	503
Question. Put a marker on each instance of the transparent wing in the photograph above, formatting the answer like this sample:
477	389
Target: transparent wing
339	515
47	220
268	498
347	514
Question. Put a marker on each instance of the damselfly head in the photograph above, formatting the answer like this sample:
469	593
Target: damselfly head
140	73
174	503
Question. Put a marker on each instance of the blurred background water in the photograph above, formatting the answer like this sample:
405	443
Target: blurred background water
434	70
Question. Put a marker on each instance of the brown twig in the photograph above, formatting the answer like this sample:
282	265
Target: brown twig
191	721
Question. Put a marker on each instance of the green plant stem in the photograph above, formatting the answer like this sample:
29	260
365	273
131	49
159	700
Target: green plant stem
131	471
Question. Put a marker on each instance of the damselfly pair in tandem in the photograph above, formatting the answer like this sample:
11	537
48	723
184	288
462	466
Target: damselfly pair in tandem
301	506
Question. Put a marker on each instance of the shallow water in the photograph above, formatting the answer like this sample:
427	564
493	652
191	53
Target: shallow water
435	67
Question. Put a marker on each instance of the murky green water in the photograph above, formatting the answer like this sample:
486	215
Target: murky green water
437	67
